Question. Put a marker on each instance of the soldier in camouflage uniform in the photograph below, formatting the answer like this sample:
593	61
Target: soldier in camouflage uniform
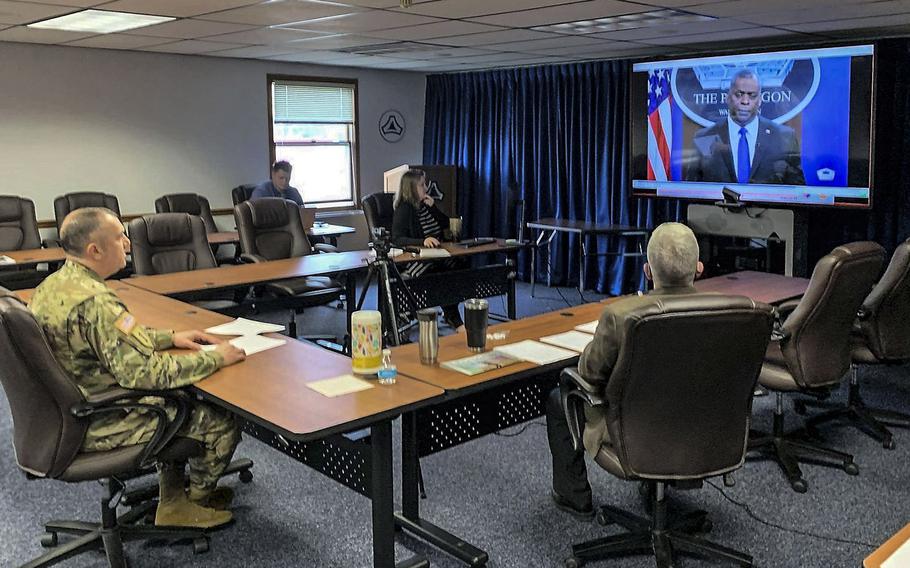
100	345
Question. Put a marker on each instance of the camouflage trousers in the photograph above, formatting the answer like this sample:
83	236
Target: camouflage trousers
211	426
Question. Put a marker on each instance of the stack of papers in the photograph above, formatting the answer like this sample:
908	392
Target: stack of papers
535	352
476	364
434	253
589	327
338	386
243	326
574	340
5	260
249	341
251	344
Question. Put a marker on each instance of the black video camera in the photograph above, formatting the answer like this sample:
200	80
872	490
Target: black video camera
382	242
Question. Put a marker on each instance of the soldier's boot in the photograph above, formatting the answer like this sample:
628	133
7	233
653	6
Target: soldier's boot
219	499
175	508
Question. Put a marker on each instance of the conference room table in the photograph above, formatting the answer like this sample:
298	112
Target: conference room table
269	393
474	406
760	286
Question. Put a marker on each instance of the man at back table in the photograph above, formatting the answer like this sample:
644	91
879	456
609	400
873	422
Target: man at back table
279	185
673	266
745	147
100	345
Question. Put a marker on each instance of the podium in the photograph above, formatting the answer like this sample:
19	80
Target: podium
441	184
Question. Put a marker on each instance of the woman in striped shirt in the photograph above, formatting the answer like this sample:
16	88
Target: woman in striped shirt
418	222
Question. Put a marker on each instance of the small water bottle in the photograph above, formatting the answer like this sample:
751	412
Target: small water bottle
387	371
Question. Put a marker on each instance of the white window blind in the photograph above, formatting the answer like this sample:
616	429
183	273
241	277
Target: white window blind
295	102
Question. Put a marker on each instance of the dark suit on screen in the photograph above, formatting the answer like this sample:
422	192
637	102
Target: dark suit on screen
776	159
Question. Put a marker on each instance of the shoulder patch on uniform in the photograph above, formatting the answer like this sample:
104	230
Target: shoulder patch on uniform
126	323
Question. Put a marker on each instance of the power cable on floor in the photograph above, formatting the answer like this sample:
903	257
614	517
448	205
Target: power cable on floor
520	430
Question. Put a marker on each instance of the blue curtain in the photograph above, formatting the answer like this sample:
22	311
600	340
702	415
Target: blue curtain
555	137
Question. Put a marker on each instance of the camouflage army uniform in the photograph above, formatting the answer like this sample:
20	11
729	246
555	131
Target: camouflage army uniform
99	345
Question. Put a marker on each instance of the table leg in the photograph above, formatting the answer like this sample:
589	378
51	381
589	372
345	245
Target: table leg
350	296
581	263
409	517
383	502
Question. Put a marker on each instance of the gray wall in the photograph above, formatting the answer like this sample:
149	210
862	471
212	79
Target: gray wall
139	125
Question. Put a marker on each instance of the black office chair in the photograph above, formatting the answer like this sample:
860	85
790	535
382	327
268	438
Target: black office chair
191	203
242	193
810	354
69	202
379	210
677	408
50	420
271	229
880	336
19	231
176	242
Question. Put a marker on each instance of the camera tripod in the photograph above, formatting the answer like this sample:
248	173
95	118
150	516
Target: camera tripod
382	271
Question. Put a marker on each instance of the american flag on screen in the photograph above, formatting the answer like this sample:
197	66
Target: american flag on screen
664	128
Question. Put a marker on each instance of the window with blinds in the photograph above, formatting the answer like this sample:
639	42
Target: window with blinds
313	127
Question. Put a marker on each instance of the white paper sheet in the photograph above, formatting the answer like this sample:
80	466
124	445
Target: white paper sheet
900	558
5	260
243	326
434	253
535	352
589	327
338	386
252	344
574	340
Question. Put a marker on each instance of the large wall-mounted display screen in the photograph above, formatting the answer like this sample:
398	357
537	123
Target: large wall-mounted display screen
790	127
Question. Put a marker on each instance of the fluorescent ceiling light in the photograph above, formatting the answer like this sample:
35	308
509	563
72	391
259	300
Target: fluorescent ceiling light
100	22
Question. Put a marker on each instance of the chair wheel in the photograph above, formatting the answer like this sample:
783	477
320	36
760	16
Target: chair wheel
799	407
889	444
245	475
851	468
602	519
573	562
799	485
49	540
200	545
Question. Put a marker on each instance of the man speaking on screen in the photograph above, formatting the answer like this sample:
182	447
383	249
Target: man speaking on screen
744	147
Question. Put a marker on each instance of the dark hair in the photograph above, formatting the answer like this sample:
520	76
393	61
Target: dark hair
78	227
282	165
745	73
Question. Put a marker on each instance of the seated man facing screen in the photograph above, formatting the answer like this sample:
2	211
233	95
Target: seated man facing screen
673	266
418	222
99	345
279	185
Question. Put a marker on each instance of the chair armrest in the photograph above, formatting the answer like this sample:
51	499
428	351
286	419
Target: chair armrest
784	309
778	333
247	258
119	399
323	247
575	393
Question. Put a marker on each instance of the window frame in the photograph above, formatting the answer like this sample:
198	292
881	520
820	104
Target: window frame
355	129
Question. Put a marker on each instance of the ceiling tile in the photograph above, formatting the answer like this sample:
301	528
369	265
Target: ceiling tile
594	47
469	8
309	56
364	22
538	44
193	46
375	3
689	29
559	14
503	36
255	51
266	36
335	41
739	8
851	24
694	40
436	30
178	8
191	29
119	41
26	12
36	35
275	12
76	3
838	12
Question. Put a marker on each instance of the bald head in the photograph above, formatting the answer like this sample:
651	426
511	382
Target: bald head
673	255
79	226
93	237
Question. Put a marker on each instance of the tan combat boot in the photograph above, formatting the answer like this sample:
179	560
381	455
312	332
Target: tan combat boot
219	499
176	510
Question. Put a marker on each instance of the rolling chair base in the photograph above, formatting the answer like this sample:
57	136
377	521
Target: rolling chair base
788	451
657	537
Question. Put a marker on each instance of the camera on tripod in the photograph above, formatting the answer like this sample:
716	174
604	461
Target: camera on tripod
382	242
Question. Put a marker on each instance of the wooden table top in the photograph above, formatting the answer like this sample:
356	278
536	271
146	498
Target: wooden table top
407	359
455	249
27	257
269	387
246	274
570	226
760	286
883	552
